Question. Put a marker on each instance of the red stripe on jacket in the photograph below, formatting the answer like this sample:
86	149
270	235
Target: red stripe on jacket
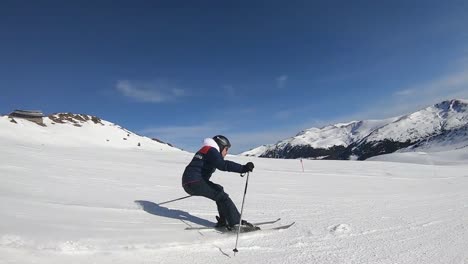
204	150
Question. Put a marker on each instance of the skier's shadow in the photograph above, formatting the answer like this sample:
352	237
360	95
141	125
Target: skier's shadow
156	209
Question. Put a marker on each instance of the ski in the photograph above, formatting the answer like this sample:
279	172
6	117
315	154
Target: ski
254	229
266	222
218	228
281	227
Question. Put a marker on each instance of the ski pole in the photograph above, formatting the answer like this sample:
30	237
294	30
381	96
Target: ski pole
242	210
181	198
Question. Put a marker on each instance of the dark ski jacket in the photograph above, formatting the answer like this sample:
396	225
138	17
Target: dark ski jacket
204	163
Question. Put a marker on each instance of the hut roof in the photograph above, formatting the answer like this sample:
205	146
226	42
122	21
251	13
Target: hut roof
27	113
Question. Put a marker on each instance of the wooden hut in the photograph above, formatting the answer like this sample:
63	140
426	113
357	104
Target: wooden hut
31	115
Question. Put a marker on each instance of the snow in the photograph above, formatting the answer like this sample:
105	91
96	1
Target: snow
104	134
342	134
63	202
443	116
257	151
453	157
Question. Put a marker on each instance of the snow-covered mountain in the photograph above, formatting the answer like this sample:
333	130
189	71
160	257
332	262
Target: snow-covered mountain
67	129
439	127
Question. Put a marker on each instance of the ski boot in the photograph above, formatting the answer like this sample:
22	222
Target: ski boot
221	222
244	227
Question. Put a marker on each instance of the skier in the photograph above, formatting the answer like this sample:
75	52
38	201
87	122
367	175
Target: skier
196	179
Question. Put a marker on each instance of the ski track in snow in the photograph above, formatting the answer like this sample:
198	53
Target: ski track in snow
78	205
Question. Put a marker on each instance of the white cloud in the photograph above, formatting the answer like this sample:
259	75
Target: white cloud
185	137
453	85
448	84
281	81
404	92
178	131
152	92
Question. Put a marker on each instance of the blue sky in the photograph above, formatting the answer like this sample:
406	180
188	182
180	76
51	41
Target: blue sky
255	71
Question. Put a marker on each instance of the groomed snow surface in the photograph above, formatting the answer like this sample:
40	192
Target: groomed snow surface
78	204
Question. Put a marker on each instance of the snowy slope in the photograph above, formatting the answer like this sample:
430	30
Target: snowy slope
75	130
256	152
452	157
447	140
80	204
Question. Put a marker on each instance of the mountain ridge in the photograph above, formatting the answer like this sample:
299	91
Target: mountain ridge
440	125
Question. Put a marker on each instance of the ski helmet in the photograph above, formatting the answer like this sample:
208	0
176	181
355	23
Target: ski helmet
222	142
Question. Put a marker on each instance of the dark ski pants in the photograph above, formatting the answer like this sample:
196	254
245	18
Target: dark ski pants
215	192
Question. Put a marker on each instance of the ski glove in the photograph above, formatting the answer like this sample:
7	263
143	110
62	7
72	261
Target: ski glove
248	167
